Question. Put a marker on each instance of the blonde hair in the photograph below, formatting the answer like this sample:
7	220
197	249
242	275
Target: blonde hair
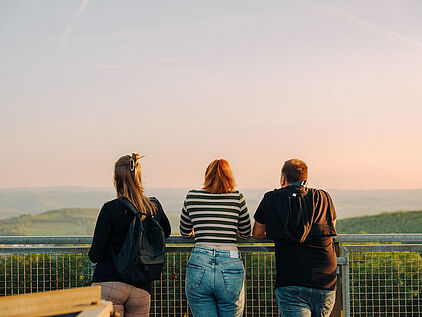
128	183
219	178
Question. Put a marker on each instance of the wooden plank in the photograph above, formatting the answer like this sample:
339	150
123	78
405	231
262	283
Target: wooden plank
104	309
51	303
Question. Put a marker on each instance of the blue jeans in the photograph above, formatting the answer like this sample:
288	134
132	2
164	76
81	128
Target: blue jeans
215	283
298	301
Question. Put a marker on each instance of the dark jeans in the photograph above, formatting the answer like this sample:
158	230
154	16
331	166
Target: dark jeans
298	301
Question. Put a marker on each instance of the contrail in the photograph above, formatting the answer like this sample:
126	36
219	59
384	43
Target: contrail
65	37
382	29
371	25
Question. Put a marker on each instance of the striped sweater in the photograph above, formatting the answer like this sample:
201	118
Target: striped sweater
215	218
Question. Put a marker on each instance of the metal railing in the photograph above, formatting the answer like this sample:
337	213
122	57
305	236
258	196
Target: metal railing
376	280
383	280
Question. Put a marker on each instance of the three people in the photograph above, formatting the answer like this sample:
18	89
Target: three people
110	231
215	216
301	221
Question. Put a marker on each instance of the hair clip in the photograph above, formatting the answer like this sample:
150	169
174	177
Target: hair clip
134	163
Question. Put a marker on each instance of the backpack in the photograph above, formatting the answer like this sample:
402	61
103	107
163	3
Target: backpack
142	255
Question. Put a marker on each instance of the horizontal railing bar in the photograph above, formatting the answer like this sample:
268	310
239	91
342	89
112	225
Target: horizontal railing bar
86	240
393	237
45	240
184	248
384	247
40	250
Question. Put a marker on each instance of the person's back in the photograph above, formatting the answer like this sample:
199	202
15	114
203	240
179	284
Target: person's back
110	231
215	216
217	219
301	221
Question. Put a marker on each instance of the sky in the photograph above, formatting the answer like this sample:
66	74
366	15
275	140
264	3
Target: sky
337	84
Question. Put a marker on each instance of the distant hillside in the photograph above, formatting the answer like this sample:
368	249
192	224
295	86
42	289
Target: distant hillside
15	202
391	222
68	221
81	221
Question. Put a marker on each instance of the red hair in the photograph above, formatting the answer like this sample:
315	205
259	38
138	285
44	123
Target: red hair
219	178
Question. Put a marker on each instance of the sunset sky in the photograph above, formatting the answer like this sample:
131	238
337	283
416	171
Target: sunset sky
335	83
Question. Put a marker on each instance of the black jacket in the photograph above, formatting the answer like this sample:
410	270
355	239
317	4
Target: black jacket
110	231
301	222
294	212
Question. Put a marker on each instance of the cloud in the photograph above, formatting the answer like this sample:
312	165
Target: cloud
65	37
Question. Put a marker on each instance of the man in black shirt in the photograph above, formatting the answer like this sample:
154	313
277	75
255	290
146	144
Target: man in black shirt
301	221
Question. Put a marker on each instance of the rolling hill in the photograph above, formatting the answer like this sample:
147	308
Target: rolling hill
391	222
81	221
67	221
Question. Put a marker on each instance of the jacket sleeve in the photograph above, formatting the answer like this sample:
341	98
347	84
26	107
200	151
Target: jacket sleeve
101	239
162	218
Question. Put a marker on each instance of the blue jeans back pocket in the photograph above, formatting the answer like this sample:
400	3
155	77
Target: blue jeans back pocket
233	280
194	275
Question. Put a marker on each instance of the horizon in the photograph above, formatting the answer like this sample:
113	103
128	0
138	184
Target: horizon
64	187
348	203
336	84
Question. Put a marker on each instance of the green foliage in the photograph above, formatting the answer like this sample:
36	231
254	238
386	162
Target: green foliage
392	222
381	283
28	273
67	221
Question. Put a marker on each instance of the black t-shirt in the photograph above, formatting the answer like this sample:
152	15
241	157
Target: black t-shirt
313	262
110	231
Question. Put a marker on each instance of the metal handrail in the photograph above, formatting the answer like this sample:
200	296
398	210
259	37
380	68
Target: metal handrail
87	240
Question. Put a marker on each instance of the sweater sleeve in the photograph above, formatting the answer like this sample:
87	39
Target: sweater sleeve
101	238
186	225
244	224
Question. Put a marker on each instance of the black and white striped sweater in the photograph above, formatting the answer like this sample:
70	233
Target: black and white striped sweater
215	218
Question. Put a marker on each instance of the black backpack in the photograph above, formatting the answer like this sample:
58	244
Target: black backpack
142	255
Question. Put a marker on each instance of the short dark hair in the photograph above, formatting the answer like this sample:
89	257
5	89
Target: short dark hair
295	170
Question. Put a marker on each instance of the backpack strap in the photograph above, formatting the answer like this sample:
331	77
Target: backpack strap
128	204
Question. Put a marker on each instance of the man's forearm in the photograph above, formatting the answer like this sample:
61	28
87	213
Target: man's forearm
259	230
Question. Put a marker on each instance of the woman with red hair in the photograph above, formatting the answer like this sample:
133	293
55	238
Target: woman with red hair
215	216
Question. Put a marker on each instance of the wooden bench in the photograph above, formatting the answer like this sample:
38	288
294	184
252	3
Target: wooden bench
80	302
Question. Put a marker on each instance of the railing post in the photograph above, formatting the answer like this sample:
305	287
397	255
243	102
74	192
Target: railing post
346	284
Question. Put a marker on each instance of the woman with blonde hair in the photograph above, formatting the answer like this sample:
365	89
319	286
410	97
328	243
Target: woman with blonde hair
110	231
215	216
